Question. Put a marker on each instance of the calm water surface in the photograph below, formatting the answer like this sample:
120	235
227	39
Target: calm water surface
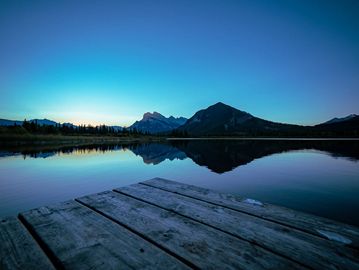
319	177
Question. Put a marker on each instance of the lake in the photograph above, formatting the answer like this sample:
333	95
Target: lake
315	176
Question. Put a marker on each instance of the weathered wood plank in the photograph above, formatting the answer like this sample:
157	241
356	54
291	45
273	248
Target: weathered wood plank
80	238
304	248
205	247
322	227
18	250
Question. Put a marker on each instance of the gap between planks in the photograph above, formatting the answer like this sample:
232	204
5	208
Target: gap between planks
183	260
211	226
165	185
265	234
222	249
45	249
82	238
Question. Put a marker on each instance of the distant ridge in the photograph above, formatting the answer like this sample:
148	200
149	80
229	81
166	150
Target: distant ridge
6	122
343	119
349	124
45	122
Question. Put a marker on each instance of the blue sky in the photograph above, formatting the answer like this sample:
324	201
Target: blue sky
111	61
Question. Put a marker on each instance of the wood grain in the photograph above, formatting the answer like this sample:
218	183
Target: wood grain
82	239
18	250
304	248
205	247
299	220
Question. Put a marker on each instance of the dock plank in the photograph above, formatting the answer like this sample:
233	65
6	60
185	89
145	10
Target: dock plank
319	226
205	247
162	224
304	248
18	250
80	238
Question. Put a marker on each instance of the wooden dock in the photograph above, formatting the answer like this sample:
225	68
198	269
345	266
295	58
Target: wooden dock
161	224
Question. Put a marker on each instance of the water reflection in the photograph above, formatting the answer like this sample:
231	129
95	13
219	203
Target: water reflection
219	156
318	177
155	153
225	155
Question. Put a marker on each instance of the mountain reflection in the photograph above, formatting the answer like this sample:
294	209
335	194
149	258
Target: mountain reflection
217	155
155	153
224	155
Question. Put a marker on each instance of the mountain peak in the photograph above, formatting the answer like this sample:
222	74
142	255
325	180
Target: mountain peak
222	107
220	104
155	115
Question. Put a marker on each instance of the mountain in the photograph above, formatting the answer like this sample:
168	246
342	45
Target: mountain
346	126
6	122
156	123
221	119
46	122
343	119
42	122
117	128
70	125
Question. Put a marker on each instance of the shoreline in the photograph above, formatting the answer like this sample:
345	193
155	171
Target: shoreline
22	140
267	138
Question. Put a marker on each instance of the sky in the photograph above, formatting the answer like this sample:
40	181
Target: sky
108	62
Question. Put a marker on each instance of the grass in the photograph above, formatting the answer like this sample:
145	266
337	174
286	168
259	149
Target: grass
19	136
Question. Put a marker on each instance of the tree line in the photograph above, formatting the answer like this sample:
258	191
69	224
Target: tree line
34	127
